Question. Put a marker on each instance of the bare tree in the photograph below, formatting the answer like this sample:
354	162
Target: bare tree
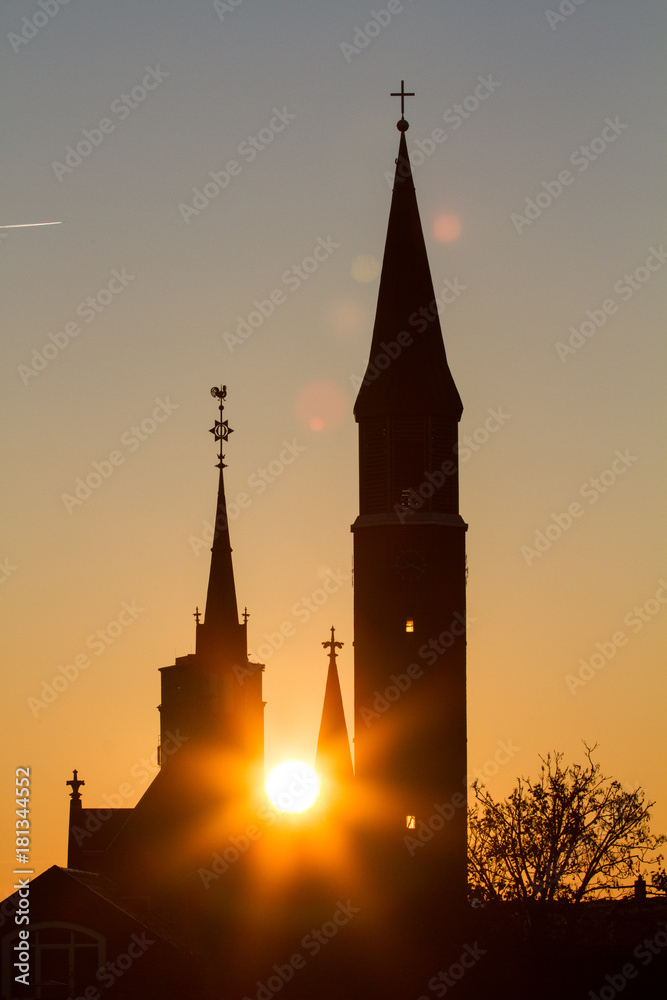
573	834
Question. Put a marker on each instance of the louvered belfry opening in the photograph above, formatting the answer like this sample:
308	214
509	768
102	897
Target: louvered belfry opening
408	462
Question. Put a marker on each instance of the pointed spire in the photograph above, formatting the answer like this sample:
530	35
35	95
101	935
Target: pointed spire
408	365
333	761
221	620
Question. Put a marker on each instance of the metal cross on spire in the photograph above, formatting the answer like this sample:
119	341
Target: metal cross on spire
403	93
333	644
221	429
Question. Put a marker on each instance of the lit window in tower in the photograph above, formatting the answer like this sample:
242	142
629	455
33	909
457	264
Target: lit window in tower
409	625
410	822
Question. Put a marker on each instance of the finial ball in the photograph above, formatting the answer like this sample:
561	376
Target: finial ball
402	125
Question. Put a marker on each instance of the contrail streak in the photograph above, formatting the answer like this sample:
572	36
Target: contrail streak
24	225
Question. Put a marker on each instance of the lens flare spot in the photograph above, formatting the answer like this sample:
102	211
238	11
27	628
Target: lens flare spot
292	787
321	405
365	267
347	319
446	228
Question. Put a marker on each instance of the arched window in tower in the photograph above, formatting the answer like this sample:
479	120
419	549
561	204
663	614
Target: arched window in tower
410	822
409	624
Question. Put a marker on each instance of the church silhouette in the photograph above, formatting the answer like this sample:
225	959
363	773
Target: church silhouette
205	889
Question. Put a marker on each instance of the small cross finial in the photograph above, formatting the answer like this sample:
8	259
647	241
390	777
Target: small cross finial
246	615
333	645
197	614
403	93
75	785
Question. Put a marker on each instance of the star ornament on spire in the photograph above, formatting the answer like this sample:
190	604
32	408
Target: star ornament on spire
221	429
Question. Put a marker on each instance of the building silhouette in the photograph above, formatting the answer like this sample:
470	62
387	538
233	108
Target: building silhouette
409	570
202	888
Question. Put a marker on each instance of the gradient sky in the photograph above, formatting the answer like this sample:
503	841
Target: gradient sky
582	94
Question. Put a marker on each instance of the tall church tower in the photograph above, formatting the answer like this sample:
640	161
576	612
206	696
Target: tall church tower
212	757
215	693
409	574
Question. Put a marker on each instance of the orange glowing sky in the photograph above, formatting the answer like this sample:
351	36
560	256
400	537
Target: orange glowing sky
105	585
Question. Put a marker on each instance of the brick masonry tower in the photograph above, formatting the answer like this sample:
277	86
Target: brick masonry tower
410	579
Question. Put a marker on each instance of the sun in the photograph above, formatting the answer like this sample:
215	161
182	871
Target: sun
292	786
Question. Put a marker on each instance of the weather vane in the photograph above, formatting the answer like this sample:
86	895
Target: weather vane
403	125
221	429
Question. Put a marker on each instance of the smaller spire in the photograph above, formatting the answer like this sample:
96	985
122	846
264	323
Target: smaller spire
333	760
